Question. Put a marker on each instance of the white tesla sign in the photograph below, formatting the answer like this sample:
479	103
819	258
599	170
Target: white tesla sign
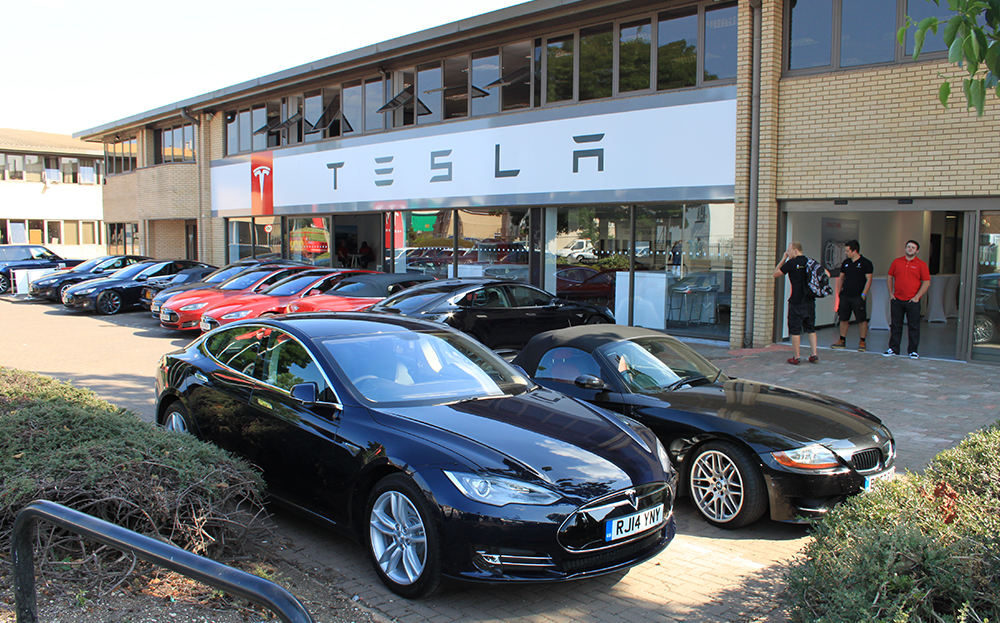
682	151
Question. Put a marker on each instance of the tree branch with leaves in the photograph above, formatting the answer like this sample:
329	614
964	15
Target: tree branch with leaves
973	39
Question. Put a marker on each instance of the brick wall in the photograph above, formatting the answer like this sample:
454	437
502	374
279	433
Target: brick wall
121	198
166	239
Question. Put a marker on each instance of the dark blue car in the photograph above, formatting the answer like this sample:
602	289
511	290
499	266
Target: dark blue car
52	285
27	256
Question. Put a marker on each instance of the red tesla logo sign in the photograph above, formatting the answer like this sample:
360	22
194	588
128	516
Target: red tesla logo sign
261	184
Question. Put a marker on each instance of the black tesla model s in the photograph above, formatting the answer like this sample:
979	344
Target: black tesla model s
441	458
740	446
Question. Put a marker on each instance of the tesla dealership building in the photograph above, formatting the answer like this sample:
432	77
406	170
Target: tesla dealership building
685	142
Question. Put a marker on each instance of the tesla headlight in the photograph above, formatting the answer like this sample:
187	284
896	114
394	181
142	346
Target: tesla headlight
193	306
85	291
45	282
808	457
293	307
236	315
499	491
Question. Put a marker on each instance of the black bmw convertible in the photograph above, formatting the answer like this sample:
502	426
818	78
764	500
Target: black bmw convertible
441	458
741	447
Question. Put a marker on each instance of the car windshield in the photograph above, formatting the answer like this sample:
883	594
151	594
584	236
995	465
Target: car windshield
653	364
87	266
413	300
243	281
224	273
291	285
131	271
422	368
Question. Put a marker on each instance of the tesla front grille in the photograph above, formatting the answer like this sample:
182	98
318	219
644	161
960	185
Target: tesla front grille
867	460
586	529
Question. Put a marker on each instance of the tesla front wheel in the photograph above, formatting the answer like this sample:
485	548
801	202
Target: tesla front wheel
402	539
726	486
109	303
62	290
4	284
175	419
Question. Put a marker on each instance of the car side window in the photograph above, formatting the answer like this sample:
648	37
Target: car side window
237	348
565	364
287	363
529	297
490	296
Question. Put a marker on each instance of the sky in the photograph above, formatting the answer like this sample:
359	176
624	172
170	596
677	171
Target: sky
73	65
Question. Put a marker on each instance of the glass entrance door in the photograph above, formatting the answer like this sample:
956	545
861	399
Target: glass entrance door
986	290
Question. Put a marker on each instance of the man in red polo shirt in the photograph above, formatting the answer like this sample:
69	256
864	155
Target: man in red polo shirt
908	281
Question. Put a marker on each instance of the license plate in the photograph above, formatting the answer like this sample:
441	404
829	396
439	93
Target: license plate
622	527
203	325
164	316
888	474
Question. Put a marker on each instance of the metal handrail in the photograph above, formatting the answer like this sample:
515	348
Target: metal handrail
240	583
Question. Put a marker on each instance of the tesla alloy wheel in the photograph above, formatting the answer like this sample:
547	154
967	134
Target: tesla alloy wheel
176	419
402	540
726	486
4	283
109	303
62	290
983	329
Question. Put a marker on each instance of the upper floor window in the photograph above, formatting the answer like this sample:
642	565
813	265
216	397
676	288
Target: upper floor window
174	144
57	169
120	156
837	34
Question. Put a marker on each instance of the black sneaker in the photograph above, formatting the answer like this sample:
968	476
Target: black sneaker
914	356
888	353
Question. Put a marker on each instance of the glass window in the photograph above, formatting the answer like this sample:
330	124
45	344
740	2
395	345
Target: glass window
677	49
287	363
15	167
322	114
71	232
309	240
232	133
537	79
721	26
635	43
237	348
516	76
559	68
178	144
267	236
402	106
374	99
986	323
566	364
188	145
53	232
429	92
240	238
596	62
456	87
810	34
485	77
523	296
867	32
291	120
88	171
34	168
353	107
166	146
920	9
88	232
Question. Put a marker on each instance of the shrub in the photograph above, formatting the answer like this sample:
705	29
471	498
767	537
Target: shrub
925	547
66	445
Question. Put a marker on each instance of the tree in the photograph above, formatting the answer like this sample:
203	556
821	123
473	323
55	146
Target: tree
973	39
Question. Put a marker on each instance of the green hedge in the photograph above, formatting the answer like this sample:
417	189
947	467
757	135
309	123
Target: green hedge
66	445
924	547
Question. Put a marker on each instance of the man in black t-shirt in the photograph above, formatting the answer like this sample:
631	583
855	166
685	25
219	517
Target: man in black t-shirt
852	286
801	303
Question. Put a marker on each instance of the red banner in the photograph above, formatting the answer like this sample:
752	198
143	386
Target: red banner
261	184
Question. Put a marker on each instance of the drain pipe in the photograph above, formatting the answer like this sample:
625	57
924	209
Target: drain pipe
751	290
186	115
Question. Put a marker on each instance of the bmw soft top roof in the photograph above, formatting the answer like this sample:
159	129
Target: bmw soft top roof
587	338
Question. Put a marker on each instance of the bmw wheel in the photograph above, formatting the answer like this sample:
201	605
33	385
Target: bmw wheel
175	419
983	329
402	538
109	303
727	488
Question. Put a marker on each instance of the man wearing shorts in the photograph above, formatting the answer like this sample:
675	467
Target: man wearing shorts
852	285
801	303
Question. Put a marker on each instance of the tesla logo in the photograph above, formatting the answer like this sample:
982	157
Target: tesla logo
630	494
261	184
261	174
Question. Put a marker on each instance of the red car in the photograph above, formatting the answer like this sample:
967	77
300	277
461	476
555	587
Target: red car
183	311
274	299
357	293
579	283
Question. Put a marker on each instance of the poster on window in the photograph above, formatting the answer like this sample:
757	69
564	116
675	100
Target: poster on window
836	232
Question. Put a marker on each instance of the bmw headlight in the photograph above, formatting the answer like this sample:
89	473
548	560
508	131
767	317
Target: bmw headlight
808	457
236	315
85	291
498	491
193	307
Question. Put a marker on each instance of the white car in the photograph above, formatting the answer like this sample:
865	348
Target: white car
580	249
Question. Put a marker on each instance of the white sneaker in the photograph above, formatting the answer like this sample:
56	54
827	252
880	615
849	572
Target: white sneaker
914	356
888	353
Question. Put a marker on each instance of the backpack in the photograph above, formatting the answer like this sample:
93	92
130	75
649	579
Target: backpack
817	281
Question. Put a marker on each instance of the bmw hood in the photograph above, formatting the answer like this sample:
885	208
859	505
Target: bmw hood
543	435
780	417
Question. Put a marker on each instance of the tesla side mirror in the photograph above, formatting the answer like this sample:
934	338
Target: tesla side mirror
98	271
589	381
305	393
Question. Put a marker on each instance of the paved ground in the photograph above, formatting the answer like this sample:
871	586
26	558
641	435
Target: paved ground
705	575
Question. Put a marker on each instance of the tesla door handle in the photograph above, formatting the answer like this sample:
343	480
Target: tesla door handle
201	377
530	314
